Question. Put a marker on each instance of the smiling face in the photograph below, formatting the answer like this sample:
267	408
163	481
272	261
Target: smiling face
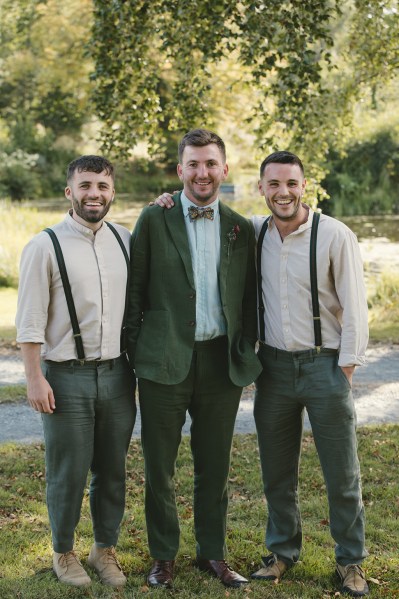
91	195
202	170
282	186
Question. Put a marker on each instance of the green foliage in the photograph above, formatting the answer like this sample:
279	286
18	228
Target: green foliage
173	45
373	45
44	92
365	179
141	178
266	75
292	72
25	553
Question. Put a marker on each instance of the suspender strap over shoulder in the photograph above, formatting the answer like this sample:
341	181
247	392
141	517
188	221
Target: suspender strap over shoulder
122	246
313	281
68	294
261	307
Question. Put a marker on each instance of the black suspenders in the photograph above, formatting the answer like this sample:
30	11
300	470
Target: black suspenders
313	281
68	293
261	307
123	331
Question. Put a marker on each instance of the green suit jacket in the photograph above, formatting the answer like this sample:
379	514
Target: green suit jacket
161	314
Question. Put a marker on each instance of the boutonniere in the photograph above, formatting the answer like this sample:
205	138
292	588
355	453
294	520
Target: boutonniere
232	236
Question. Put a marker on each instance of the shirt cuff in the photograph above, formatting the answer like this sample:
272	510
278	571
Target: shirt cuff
351	360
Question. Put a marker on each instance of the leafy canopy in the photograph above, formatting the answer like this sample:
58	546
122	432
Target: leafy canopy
145	52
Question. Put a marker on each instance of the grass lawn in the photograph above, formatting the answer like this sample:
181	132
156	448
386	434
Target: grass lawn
25	551
8	302
25	547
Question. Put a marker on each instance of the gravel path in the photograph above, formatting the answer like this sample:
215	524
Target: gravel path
376	393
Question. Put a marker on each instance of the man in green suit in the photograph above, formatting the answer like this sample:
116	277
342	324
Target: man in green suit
191	338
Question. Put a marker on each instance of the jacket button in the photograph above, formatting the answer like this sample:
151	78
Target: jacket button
191	296
192	323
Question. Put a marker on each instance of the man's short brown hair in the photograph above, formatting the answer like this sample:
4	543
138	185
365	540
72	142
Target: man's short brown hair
91	164
200	138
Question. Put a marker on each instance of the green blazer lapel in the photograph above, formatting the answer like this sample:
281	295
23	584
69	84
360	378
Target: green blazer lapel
174	220
227	223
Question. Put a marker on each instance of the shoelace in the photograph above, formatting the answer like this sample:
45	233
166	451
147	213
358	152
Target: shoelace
68	558
356	569
166	565
226	565
110	557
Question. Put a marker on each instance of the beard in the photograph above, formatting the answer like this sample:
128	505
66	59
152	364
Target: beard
202	198
90	215
279	212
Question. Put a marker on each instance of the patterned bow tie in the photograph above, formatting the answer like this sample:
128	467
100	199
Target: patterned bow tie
200	213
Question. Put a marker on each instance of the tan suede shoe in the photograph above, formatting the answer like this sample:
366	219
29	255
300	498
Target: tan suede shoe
69	570
105	563
353	580
273	569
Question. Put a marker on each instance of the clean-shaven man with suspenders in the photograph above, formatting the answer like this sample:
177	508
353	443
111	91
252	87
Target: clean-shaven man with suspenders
313	332
70	325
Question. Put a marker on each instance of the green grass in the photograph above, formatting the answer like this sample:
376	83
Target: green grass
12	393
384	309
8	302
18	223
25	551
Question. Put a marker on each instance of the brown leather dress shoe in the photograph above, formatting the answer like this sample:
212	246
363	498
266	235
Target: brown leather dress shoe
222	571
161	574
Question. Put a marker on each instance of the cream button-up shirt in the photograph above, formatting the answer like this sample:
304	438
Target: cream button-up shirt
287	294
97	274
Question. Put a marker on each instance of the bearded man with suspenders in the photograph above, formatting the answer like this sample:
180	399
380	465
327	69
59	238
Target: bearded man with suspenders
70	325
313	333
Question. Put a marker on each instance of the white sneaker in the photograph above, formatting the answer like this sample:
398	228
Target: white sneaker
105	563
69	569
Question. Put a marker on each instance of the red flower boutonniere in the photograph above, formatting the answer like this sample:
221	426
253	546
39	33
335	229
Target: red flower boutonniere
232	236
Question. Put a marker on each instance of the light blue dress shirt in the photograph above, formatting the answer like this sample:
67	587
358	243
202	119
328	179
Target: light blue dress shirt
204	241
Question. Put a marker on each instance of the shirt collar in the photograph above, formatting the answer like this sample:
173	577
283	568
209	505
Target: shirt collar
301	227
81	228
186	203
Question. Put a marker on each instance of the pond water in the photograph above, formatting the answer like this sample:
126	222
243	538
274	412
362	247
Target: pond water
126	211
370	227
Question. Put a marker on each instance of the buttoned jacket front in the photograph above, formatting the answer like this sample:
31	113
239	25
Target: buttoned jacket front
162	296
